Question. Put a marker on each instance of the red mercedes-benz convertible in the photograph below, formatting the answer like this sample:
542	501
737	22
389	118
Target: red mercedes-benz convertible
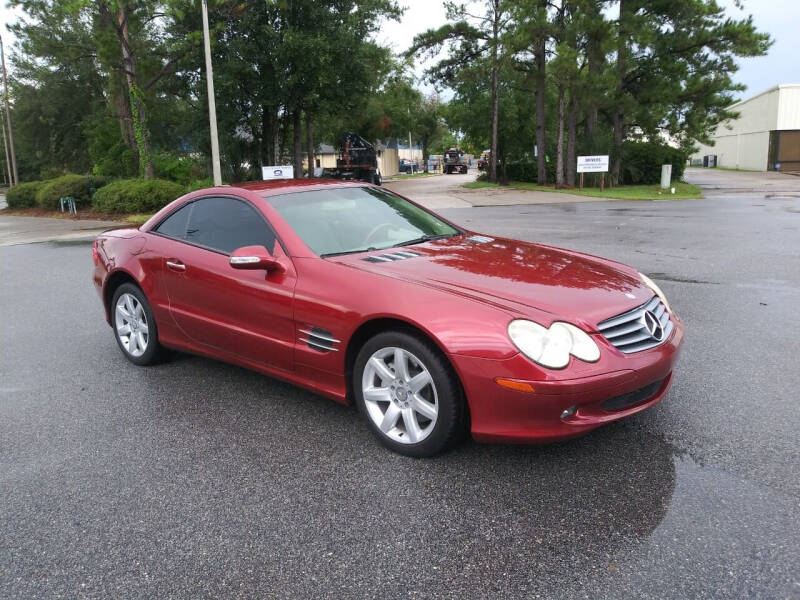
366	297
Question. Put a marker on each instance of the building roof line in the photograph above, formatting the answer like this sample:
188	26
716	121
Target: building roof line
774	88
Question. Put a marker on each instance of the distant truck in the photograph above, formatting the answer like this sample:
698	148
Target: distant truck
483	161
356	159
454	161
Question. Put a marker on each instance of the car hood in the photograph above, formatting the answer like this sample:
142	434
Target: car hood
515	275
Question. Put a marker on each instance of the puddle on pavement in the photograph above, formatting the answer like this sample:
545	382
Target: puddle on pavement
79	242
676	279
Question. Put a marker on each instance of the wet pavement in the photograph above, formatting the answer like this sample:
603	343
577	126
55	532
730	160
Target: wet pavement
28	230
447	191
199	479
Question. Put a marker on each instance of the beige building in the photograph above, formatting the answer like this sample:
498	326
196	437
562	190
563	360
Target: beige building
765	137
388	159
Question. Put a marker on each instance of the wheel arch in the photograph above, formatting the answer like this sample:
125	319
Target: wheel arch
377	325
114	280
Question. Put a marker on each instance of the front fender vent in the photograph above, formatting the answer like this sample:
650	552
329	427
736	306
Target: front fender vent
391	256
319	339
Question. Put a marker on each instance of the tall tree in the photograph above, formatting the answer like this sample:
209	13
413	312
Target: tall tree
470	37
428	126
529	35
673	68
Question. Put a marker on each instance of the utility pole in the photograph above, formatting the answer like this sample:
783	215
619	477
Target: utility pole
212	105
5	147
15	178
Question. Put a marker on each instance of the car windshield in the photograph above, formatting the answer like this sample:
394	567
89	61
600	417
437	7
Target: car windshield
343	220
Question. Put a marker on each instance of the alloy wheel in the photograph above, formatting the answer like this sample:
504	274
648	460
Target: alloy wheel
400	395
131	324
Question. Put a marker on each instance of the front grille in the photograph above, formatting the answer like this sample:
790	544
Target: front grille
646	326
631	398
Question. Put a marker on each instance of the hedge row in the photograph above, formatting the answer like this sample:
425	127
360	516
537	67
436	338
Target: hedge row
103	194
136	195
24	194
641	164
79	187
48	194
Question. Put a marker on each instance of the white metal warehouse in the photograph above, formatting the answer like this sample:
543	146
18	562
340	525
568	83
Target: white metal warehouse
765	137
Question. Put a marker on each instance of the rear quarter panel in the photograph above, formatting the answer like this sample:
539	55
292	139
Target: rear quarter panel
138	255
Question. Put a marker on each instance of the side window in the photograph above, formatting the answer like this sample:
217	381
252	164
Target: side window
225	224
174	226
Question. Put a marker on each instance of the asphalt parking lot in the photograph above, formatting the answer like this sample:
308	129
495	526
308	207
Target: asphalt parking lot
198	479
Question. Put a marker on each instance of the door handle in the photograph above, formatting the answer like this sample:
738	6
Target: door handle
176	265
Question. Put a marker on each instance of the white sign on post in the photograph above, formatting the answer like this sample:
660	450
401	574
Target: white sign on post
593	164
278	172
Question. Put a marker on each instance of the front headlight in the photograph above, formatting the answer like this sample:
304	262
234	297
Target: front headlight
552	347
656	290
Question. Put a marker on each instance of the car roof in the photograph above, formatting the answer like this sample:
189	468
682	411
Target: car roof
274	187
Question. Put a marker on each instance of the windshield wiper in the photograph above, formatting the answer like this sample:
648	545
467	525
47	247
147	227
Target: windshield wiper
424	238
326	255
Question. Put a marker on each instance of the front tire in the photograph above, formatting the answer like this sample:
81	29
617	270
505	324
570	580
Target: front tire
134	326
408	394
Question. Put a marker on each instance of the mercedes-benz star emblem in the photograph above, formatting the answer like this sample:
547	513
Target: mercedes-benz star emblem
653	326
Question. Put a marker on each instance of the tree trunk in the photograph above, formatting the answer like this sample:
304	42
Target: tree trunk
619	110
121	101
268	135
560	140
595	59
495	91
541	88
425	154
310	145
571	165
495	119
297	143
138	110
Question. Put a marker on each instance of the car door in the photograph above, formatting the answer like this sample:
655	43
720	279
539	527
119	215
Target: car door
245	313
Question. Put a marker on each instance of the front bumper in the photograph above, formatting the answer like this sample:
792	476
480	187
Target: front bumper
500	414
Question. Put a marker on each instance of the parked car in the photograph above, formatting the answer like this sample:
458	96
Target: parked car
408	166
366	297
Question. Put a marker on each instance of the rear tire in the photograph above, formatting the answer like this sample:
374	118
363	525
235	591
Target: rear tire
408	394
134	326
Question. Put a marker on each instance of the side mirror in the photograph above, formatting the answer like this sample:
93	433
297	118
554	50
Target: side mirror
255	258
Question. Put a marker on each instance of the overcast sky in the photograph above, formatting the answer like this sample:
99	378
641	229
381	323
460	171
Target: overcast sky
780	18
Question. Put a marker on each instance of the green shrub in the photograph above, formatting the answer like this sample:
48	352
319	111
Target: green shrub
182	169
24	194
136	195
641	162
199	184
527	170
522	170
79	187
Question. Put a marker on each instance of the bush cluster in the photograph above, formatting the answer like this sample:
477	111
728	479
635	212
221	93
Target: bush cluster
80	187
23	195
182	169
641	162
136	195
527	170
